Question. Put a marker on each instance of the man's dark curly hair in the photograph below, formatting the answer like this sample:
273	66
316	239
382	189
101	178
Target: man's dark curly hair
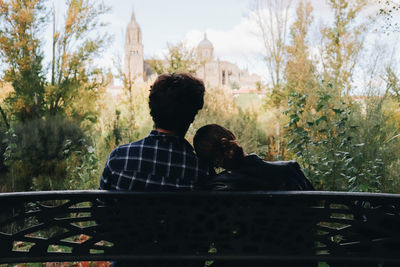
174	101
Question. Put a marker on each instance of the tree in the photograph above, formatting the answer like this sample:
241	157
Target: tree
271	17
342	45
388	9
300	71
179	58
300	83
20	47
272	20
74	48
38	108
328	134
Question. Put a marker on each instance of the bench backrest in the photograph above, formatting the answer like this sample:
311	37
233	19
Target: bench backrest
100	225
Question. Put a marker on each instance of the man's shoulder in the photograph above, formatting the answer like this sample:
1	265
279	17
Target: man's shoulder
121	150
149	142
155	142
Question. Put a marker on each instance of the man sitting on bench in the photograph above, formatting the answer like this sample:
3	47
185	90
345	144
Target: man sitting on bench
164	160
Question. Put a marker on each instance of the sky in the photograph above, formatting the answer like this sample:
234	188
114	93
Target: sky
162	22
171	21
228	25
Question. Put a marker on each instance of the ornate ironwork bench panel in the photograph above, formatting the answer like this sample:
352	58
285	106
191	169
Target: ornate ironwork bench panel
100	225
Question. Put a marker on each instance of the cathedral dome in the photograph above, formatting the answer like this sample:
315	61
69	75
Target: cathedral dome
205	49
205	43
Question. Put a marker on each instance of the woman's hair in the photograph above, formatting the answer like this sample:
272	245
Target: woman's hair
217	145
174	101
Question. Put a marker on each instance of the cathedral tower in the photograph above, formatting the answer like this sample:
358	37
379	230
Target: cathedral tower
133	50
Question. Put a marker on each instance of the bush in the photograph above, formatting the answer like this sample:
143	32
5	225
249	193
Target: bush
346	147
37	151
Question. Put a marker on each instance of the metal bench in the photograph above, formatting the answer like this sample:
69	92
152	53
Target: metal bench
197	226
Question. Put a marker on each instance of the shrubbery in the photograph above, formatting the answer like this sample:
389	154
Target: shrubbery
37	152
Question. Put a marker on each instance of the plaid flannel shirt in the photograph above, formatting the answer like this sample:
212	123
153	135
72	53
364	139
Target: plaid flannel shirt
157	162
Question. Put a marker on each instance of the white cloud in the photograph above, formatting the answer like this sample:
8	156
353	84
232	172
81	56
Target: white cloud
238	41
240	45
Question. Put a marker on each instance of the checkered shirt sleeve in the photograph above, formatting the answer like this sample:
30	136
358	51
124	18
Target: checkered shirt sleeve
157	162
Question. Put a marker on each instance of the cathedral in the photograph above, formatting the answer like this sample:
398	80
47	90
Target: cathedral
214	72
217	73
134	63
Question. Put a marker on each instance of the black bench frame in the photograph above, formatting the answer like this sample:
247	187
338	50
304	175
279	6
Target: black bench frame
197	226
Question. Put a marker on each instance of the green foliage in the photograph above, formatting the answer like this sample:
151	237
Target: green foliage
341	143
41	146
74	48
392	83
340	148
319	142
116	129
378	131
37	153
3	147
343	42
20	49
300	69
179	58
83	170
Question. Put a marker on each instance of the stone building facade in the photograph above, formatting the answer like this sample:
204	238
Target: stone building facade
218	73
134	63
